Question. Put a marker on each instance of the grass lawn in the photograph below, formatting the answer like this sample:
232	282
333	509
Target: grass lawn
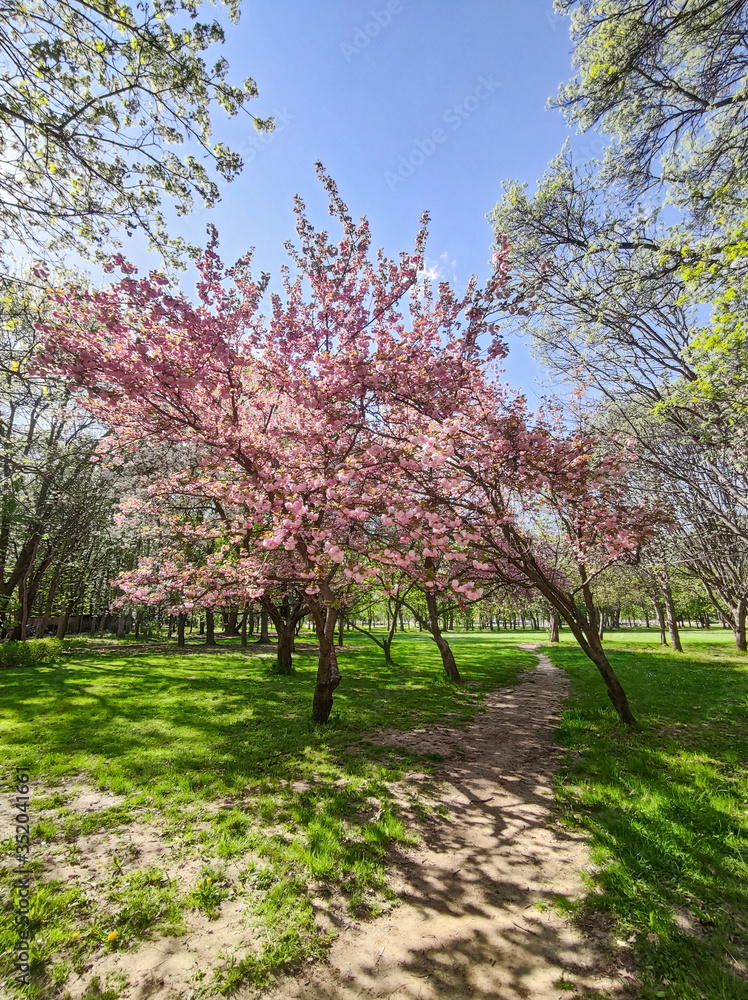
215	755
665	807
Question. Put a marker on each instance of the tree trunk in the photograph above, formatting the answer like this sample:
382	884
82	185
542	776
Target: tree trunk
661	621
245	619
588	638
121	626
285	616
671	622
181	621
15	632
41	625
328	675
210	629
341	630
41	628
264	636
62	624
599	622
615	690
739	630
387	648
385	644
232	622
448	660
30	583
284	657
553	630
24	588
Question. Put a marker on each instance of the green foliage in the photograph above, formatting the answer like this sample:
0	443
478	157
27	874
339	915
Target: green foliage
31	653
665	809
718	352
56	506
624	280
109	990
90	105
667	81
208	892
142	900
44	829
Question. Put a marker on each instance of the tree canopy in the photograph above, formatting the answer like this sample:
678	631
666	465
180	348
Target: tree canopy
95	100
668	83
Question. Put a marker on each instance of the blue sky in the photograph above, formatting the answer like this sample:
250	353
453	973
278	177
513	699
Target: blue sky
411	105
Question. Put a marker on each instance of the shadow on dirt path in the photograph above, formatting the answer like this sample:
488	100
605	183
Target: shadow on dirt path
476	918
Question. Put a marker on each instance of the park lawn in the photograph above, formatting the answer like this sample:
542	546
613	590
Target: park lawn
216	755
665	808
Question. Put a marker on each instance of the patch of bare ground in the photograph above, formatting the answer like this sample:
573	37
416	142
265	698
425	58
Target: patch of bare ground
160	967
477	916
167	968
74	795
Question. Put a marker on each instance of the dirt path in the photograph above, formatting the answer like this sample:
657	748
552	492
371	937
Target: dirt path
475	919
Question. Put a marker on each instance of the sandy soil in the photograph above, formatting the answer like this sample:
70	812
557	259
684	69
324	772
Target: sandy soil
476	918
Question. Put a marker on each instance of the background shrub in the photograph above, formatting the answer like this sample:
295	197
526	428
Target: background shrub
31	653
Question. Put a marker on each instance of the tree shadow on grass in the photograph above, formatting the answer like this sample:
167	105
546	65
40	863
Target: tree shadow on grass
665	807
223	741
477	917
228	714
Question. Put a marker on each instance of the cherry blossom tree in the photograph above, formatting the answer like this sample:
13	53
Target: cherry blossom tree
283	415
540	508
388	589
361	402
